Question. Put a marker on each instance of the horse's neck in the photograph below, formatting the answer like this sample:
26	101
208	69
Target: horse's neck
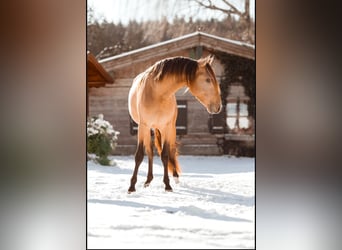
170	86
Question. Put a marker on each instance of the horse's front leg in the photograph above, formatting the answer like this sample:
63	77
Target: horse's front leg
165	159
139	156
149	152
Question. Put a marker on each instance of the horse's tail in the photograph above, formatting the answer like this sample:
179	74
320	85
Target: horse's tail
172	163
157	140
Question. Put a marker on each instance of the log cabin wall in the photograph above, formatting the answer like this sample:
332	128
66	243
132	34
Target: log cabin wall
112	99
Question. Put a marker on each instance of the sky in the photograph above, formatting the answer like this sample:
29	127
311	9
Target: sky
125	10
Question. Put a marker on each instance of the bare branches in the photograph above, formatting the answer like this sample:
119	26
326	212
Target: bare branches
233	7
230	10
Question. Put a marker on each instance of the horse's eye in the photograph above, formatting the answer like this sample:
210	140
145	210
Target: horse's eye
207	80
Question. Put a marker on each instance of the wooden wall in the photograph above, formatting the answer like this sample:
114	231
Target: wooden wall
112	102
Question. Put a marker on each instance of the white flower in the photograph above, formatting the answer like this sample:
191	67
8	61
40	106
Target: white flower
110	131
92	131
101	126
100	123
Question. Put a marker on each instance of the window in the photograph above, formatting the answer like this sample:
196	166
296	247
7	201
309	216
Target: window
133	126
237	115
237	108
216	122
231	115
243	120
182	118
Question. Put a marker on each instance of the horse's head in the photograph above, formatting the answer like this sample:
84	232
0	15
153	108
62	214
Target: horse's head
205	86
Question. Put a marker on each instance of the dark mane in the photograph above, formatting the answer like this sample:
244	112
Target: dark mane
175	66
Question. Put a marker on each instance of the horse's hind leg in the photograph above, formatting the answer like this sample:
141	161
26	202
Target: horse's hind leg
174	162
139	156
165	159
174	165
149	151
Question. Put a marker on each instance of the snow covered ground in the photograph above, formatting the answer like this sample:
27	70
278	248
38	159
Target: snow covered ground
212	206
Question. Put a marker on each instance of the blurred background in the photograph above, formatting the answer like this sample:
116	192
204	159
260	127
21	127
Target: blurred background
43	149
117	26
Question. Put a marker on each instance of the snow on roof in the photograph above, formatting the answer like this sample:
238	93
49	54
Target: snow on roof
191	35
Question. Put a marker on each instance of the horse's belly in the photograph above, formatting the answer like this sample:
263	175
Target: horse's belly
156	118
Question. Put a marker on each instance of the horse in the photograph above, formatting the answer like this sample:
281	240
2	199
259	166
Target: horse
152	105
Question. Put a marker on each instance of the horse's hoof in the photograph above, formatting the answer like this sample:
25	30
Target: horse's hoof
168	189
146	184
176	180
130	190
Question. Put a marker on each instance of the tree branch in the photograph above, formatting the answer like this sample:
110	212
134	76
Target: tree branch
232	7
210	5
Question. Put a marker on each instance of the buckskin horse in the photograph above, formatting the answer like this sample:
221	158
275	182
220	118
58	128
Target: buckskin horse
152	105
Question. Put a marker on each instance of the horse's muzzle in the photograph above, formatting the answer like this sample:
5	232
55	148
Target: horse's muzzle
214	108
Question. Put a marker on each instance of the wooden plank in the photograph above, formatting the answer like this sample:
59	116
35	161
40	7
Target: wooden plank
239	137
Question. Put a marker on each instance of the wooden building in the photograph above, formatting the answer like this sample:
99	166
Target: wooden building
198	132
97	76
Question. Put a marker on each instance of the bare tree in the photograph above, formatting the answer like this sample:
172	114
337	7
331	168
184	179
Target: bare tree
229	9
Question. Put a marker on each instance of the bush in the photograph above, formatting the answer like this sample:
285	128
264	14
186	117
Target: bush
101	139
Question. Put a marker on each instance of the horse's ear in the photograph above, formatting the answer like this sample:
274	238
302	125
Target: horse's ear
207	60
210	59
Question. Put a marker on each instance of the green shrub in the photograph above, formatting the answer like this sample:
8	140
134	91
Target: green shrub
101	139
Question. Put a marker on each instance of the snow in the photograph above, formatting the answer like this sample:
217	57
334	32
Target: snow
213	206
156	45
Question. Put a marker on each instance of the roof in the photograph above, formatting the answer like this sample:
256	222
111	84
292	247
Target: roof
97	76
198	38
